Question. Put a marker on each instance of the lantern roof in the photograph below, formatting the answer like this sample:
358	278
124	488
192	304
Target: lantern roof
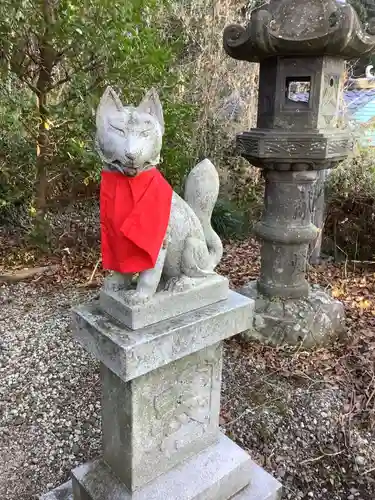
300	28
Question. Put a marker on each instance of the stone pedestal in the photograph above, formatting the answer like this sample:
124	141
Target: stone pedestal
310	320
160	410
301	48
262	487
286	232
287	309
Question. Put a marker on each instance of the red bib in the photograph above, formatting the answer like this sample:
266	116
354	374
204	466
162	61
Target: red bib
134	217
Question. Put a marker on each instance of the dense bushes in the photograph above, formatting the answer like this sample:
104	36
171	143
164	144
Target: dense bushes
46	133
17	154
56	59
350	225
47	129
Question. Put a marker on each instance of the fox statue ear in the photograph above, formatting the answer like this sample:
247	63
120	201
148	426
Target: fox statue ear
151	104
109	104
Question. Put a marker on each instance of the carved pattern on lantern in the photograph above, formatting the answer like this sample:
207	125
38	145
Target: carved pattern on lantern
292	148
335	147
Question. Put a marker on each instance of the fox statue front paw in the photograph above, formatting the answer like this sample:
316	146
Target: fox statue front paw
134	297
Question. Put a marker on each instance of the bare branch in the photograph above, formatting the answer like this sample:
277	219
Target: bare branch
32	87
60	82
32	57
86	69
20	72
95	84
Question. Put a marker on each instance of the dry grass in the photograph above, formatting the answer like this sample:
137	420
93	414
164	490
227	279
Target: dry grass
225	89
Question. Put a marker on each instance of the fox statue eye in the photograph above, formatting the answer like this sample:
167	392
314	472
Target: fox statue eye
119	130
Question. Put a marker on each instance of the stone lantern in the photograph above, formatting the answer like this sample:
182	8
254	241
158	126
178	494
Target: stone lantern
301	47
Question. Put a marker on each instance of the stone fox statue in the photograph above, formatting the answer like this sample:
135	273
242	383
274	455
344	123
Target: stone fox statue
146	227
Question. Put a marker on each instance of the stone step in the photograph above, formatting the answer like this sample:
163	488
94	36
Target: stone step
219	469
263	486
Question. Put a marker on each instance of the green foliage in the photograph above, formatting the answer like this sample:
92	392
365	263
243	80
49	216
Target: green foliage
369	5
354	178
351	206
178	149
366	12
16	156
365	9
229	221
91	43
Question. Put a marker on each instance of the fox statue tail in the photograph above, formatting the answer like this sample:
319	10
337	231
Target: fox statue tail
201	193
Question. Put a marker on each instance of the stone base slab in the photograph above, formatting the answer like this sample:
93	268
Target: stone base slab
130	354
216	473
164	304
221	472
262	486
63	492
310	321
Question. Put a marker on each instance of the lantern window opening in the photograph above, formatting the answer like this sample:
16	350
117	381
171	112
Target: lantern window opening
298	90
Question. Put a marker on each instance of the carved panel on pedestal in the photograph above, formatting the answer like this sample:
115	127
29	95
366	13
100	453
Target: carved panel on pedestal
298	265
179	406
301	206
182	410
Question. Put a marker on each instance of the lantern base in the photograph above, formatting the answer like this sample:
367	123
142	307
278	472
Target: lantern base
310	321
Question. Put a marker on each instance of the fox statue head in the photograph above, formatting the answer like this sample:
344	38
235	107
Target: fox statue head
128	138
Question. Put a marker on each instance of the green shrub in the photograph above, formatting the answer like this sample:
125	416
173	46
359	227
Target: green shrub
229	221
93	44
350	225
354	178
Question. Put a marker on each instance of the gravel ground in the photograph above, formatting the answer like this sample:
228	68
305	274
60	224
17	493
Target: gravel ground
50	409
49	392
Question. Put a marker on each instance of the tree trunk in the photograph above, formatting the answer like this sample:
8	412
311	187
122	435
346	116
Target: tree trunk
42	157
47	56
